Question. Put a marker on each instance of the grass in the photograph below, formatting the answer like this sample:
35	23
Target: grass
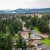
46	41
36	30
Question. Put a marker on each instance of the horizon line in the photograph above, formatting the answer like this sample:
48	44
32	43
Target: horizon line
24	8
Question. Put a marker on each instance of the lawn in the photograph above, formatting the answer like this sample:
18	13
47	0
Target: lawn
36	30
46	41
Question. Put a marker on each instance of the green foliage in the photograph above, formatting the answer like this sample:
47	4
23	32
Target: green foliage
2	26
14	26
11	29
45	17
20	43
24	18
42	26
34	22
36	30
8	21
5	41
24	45
27	24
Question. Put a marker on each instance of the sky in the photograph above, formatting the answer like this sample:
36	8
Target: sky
15	4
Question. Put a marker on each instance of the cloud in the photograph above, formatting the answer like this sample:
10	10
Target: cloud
14	4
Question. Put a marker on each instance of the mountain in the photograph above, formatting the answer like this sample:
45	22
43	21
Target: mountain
32	10
26	10
5	11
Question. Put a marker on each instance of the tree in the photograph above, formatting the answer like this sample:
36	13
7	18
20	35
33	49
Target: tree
34	22
27	24
5	41
17	25
24	45
24	18
20	43
45	17
2	26
8	21
43	26
11	29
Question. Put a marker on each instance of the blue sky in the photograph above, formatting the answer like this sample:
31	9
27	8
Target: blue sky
15	4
